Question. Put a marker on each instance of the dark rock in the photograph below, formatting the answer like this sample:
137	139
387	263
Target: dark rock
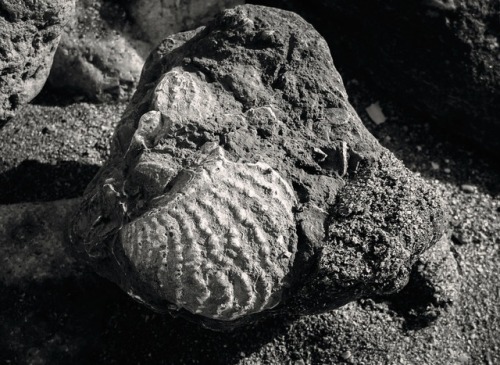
159	19
258	87
29	34
440	57
100	55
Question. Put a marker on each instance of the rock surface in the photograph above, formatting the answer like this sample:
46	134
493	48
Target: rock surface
253	83
29	34
101	54
159	19
441	57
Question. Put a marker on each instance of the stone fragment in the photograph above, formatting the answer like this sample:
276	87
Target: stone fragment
29	34
376	114
100	56
240	144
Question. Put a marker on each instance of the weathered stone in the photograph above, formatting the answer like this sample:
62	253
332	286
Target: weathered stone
256	87
99	56
159	19
29	34
441	57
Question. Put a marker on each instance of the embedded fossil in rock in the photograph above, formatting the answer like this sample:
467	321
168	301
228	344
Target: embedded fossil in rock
221	242
242	184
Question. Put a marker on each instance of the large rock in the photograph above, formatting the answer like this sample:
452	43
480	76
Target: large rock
159	19
441	57
29	34
242	183
100	56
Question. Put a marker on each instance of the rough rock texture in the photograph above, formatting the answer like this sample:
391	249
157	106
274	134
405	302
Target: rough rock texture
259	83
100	56
29	34
159	19
439	56
224	234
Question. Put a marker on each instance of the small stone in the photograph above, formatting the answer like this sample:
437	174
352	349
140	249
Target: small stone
434	166
346	355
375	113
468	188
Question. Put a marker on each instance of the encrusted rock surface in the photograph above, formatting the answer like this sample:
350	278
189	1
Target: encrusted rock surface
159	19
101	54
441	57
256	87
29	34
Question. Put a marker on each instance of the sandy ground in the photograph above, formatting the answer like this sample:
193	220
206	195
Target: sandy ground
67	314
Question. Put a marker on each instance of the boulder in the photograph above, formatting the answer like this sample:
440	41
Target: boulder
100	56
29	34
242	183
158	19
440	57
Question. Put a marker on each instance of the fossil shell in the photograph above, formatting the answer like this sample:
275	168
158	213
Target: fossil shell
221	243
181	96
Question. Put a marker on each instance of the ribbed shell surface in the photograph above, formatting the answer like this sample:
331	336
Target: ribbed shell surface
221	243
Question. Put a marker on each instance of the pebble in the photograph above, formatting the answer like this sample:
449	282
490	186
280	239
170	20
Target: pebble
346	355
375	113
468	188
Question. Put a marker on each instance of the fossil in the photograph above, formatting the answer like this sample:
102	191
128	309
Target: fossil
241	183
221	243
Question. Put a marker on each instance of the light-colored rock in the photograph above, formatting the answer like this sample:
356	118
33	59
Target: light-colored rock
29	34
100	56
221	242
159	19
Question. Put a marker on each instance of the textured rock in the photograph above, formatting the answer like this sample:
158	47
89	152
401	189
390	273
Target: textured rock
225	237
159	19
29	34
441	57
434	287
100	56
255	95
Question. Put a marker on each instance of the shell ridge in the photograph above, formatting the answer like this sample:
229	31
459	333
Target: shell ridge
173	245
286	204
229	263
265	277
191	262
261	236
